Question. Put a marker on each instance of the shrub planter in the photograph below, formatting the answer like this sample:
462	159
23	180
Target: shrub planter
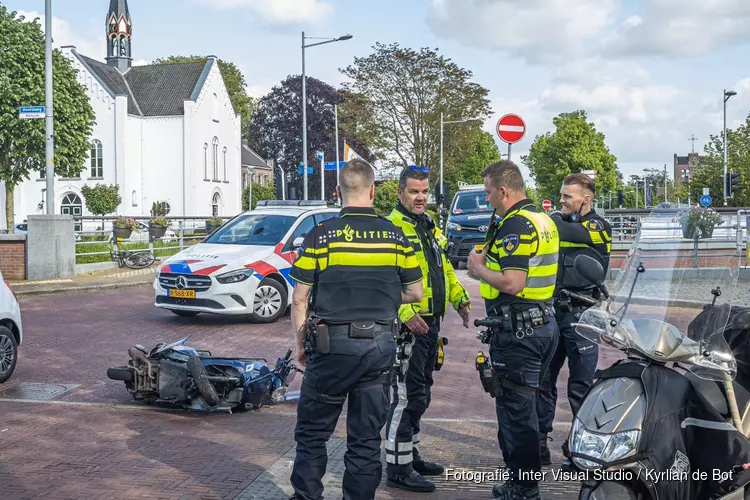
157	231
691	231
123	232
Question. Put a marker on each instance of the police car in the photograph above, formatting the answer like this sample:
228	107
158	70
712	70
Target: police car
468	220
242	267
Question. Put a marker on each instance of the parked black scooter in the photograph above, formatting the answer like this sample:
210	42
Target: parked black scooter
670	421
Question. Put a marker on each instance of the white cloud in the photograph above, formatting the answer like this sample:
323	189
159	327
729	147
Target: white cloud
62	34
681	28
279	12
538	30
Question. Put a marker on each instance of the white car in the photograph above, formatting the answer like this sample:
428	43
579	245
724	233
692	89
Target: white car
242	267
11	330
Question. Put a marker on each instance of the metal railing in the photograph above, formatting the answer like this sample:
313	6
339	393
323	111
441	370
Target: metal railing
95	240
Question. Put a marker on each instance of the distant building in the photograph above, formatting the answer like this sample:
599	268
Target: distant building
261	170
685	165
163	133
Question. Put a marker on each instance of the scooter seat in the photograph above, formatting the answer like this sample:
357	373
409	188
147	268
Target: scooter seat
711	391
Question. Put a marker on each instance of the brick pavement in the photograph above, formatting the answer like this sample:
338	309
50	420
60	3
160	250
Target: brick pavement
65	449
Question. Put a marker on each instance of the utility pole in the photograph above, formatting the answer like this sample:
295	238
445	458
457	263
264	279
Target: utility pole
50	171
665	183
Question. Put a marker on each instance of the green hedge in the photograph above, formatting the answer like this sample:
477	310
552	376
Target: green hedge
106	248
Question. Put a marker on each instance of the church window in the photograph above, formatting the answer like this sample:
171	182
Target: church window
215	108
205	161
134	200
215	203
97	169
225	163
215	157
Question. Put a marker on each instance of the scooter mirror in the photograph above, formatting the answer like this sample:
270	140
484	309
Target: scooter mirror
589	268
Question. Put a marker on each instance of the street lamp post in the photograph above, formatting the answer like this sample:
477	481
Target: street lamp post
49	103
442	190
304	99
727	95
335	108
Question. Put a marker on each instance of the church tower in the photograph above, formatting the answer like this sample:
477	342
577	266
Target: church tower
119	35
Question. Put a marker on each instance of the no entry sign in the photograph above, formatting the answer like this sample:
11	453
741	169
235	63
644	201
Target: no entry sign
546	204
511	128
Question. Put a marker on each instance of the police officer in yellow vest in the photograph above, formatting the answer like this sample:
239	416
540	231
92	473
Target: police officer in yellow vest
517	269
420	332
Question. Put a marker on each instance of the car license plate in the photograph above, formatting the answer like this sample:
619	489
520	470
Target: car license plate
479	248
182	294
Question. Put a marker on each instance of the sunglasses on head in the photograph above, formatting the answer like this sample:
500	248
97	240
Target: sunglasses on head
415	168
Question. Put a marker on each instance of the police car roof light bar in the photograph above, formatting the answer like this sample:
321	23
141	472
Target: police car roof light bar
291	203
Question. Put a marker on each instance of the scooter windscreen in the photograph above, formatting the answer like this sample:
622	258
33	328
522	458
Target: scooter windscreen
671	299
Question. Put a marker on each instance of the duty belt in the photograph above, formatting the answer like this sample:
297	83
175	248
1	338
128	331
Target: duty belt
362	329
522	321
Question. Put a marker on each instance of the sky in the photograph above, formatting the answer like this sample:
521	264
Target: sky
650	73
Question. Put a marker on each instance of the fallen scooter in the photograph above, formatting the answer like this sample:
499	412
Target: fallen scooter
664	423
177	374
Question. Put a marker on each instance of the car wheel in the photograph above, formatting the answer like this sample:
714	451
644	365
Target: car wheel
8	354
269	302
187	314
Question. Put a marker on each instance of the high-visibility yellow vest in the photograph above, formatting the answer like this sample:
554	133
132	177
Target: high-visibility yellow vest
543	248
455	293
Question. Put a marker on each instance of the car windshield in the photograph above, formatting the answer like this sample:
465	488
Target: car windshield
253	229
471	203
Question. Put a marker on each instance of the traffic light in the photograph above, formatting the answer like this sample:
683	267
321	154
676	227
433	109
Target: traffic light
620	198
733	183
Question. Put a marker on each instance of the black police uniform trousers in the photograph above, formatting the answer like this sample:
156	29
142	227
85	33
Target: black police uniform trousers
520	365
350	363
583	356
411	397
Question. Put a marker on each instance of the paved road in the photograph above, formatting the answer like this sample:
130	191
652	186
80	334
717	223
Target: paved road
91	441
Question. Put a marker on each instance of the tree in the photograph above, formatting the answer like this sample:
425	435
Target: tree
243	104
386	197
22	142
404	92
276	130
260	192
710	171
101	199
573	147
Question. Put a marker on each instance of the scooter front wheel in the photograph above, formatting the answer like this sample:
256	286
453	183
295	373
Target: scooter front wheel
610	490
205	387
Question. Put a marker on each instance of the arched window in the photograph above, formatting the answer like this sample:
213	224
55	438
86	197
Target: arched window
71	205
215	204
134	199
215	110
215	155
97	168
225	163
205	161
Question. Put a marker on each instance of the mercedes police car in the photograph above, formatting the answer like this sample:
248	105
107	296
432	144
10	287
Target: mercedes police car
468	220
242	267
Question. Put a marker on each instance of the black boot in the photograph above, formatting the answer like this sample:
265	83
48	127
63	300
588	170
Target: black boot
426	468
567	464
545	453
406	478
511	490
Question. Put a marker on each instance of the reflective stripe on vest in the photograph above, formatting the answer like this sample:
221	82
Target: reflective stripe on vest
544	254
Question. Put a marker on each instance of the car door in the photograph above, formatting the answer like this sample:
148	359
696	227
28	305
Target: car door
304	227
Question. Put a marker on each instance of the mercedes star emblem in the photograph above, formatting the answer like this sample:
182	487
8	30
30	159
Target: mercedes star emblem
483	229
182	282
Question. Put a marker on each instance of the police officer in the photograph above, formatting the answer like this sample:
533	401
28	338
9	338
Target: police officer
517	270
421	329
359	268
582	231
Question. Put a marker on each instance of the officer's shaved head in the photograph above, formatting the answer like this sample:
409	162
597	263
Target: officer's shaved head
582	180
505	173
356	178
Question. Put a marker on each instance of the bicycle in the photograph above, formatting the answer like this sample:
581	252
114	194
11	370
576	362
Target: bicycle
133	259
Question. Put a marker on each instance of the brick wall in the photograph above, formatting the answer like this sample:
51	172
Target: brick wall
13	256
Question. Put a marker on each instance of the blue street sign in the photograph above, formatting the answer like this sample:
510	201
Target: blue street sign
300	170
319	155
28	112
706	200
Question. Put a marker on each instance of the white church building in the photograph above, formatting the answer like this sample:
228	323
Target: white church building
163	133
